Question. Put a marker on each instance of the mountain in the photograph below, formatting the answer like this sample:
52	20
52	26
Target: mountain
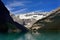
34	15
28	19
50	22
7	22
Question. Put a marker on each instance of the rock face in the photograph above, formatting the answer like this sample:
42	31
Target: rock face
6	18
4	13
51	22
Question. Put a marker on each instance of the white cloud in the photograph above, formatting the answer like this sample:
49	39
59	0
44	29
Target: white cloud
9	8
11	5
15	3
20	11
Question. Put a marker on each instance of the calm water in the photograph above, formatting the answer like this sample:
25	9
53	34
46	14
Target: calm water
31	36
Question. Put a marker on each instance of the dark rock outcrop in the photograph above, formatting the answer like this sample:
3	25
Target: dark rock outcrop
6	18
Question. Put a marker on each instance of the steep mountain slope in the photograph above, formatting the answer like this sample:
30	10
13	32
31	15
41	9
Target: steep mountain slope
6	21
51	22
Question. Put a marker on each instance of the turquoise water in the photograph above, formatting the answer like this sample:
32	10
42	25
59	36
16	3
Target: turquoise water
31	36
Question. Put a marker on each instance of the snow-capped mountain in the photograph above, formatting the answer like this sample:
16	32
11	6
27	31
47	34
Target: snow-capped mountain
33	15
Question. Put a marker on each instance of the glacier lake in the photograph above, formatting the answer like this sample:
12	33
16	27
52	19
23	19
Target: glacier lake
54	35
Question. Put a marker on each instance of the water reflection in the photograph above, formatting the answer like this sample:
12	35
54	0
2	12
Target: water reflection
10	36
31	36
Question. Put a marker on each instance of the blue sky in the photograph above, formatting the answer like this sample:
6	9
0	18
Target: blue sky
25	6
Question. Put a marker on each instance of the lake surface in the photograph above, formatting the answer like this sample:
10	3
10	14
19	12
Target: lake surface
31	36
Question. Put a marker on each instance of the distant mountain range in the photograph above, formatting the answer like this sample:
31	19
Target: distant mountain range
28	18
34	15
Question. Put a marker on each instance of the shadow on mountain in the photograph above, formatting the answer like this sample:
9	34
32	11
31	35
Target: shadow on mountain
50	22
6	19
